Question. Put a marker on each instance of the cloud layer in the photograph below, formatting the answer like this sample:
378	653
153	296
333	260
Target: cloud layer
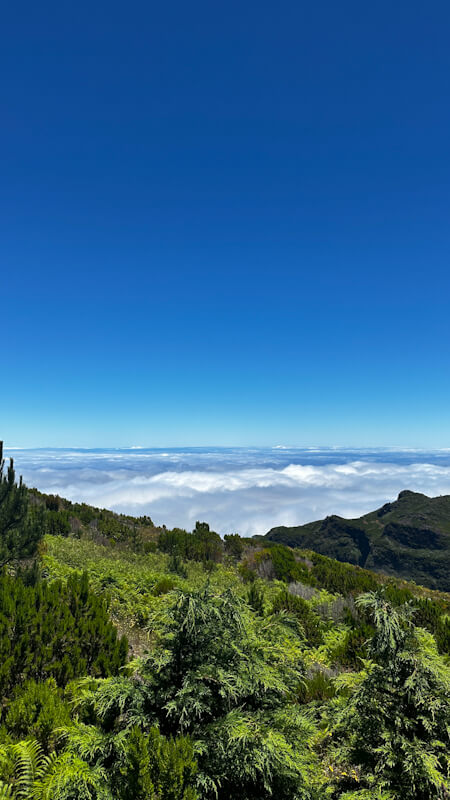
248	491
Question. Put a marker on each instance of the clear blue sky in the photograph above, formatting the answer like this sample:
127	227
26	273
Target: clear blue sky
225	223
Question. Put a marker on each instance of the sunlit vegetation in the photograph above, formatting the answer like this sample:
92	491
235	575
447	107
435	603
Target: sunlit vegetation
140	663
408	538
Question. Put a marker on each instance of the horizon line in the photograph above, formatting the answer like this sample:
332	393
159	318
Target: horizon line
137	448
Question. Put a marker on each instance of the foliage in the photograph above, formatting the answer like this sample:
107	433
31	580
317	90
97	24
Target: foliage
37	710
396	725
176	565
260	679
157	767
163	586
57	629
200	545
224	677
57	523
234	545
341	578
20	530
299	608
129	580
255	598
140	765
318	686
27	773
283	562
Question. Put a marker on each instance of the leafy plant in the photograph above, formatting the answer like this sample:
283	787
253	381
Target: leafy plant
55	629
20	529
225	678
395	727
37	710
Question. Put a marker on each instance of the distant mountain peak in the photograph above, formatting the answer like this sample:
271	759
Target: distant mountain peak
406	493
409	538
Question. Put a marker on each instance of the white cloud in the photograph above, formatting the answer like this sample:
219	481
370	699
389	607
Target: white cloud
244	491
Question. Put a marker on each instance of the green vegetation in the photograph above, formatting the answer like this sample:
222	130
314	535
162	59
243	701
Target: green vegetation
20	528
394	729
55	629
200	545
139	663
221	677
409	538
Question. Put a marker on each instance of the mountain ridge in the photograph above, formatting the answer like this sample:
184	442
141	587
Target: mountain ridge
408	537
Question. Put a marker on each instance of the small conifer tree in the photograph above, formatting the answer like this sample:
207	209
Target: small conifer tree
20	531
398	721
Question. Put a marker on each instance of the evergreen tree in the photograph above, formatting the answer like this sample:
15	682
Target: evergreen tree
20	531
225	678
234	546
200	545
396	725
58	630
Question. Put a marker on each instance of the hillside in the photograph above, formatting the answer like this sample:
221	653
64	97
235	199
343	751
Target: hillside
137	565
409	538
142	663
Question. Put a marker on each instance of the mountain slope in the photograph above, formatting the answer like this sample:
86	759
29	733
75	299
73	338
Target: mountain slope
409	538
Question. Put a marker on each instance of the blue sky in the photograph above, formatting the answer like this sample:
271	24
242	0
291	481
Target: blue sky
225	224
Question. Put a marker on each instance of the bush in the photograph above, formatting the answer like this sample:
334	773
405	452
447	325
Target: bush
318	687
341	578
255	599
176	565
200	545
59	630
36	711
396	724
163	586
299	608
57	523
225	678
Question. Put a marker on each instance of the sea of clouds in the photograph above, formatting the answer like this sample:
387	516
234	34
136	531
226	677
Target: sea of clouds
235	489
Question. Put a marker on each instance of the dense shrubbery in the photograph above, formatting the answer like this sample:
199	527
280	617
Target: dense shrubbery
223	678
57	523
56	629
298	607
287	675
430	613
60	517
284	565
395	727
234	545
36	711
200	545
341	578
219	708
21	528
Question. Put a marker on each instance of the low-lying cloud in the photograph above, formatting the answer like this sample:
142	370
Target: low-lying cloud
248	491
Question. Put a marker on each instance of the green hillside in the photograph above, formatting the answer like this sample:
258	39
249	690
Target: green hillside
141	663
409	538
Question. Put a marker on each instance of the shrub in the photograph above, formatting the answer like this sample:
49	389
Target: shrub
57	629
164	585
308	619
36	711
